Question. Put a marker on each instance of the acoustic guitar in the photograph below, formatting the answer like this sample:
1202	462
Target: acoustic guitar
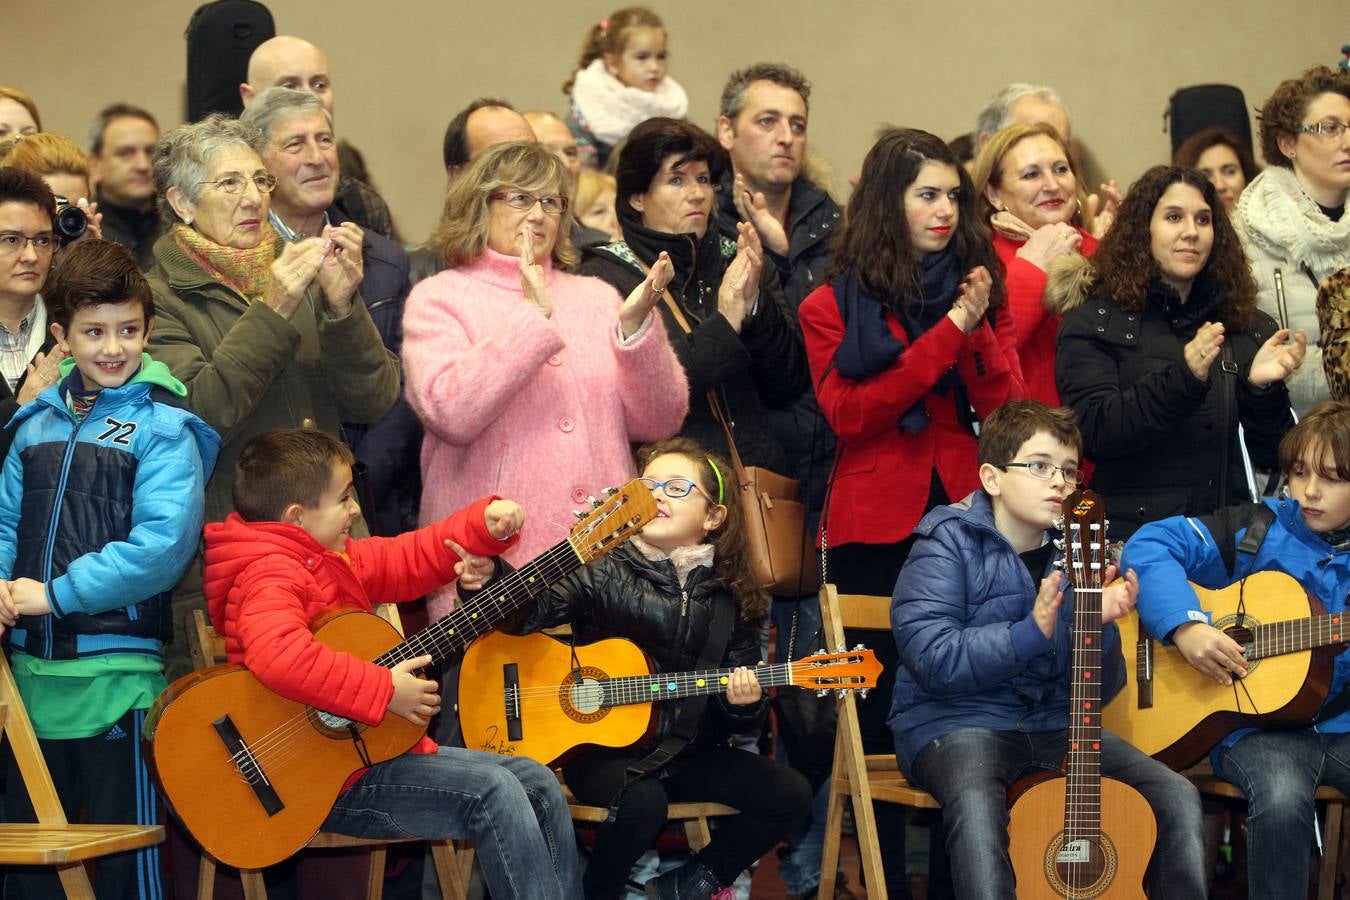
253	775
1176	713
536	696
1077	834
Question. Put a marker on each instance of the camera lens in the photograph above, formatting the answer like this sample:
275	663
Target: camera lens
70	221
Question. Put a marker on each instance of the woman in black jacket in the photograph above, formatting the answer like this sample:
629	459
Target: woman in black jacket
683	592
1168	354
741	342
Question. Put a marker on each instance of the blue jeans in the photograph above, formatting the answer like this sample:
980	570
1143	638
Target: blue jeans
969	772
1278	772
511	807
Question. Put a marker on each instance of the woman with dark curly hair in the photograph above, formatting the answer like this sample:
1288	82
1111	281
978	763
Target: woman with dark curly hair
1163	353
1293	223
1223	158
901	348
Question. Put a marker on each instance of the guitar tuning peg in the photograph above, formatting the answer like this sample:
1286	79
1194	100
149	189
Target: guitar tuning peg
595	504
841	650
863	693
820	652
1059	543
1059	564
822	693
610	491
580	514
859	647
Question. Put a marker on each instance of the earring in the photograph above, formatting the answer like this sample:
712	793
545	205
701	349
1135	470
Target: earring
187	220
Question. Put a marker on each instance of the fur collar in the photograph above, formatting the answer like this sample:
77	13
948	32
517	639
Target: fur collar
1067	283
685	559
1281	221
611	108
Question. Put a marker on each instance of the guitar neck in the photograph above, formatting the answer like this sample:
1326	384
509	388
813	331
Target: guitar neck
445	639
1082	804
1293	635
677	685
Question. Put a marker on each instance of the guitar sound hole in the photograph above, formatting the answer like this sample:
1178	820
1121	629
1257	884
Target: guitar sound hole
587	696
1082	869
1241	635
582	695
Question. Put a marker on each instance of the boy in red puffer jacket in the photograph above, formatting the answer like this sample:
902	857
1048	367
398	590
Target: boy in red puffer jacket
285	557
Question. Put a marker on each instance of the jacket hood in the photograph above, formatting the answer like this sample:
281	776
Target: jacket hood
235	544
1068	283
151	371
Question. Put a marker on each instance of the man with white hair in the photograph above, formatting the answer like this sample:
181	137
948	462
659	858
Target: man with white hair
1025	104
295	63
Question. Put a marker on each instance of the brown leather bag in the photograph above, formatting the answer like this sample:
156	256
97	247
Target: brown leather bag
781	553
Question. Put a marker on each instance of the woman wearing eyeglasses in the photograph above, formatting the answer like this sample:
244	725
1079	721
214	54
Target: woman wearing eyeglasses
1293	223
740	341
531	382
264	334
1163	354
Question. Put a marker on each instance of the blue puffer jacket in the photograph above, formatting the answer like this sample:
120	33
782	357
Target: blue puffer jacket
1167	553
107	514
972	655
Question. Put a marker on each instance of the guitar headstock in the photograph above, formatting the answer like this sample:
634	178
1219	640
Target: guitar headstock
1085	547
614	520
848	670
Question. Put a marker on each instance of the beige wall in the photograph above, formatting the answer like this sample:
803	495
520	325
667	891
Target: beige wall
403	67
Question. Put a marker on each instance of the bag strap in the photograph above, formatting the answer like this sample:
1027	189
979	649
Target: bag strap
1228	370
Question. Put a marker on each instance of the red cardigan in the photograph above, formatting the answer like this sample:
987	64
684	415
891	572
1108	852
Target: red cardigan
266	581
1034	326
879	486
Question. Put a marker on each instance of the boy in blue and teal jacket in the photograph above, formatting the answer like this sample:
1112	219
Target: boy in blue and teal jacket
101	508
1307	536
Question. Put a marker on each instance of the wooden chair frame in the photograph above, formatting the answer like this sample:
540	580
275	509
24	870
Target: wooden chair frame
453	864
53	841
855	775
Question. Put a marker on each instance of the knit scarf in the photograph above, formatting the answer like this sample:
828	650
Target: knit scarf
243	271
611	108
1284	222
869	348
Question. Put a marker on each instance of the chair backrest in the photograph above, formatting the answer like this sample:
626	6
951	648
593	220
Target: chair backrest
862	611
207	647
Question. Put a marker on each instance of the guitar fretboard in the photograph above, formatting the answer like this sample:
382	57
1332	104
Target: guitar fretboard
1084	560
678	685
1293	635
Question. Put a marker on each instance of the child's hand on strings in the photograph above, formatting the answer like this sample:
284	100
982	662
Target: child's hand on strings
743	687
415	698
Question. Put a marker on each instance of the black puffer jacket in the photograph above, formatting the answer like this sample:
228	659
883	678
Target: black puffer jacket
762	367
1154	430
627	595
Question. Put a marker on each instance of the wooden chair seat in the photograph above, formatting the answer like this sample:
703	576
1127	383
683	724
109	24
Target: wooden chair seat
890	785
694	816
26	844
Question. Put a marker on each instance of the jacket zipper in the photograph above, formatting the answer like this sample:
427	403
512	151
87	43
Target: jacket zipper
51	527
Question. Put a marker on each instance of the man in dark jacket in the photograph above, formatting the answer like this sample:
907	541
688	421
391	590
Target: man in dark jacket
987	635
301	152
121	148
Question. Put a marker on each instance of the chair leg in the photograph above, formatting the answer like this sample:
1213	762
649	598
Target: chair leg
206	877
75	882
698	834
375	882
452	869
255	888
1331	851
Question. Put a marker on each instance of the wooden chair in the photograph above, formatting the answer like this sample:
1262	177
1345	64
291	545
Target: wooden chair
53	841
694	817
855	775
453	865
1204	779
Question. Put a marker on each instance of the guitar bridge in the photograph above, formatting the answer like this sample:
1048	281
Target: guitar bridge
1143	673
511	678
248	765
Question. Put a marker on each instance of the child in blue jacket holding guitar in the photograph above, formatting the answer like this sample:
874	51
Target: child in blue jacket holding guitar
1306	536
683	592
986	633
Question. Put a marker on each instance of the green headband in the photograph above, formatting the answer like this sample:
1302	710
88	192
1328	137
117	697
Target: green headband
721	490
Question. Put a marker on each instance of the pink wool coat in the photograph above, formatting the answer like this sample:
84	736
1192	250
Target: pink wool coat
539	410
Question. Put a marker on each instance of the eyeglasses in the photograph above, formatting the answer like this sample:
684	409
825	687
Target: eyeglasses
233	184
552	206
1042	469
1328	129
13	242
676	488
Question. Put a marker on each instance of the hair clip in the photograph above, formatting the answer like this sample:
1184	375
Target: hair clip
721	490
604	26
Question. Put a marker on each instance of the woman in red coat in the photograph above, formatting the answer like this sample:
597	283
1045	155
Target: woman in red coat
900	350
1027	190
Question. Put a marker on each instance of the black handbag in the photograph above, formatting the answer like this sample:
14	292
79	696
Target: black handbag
806	722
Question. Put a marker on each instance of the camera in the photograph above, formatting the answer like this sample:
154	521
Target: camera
70	221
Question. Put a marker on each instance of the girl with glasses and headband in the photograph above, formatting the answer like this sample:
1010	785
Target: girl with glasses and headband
662	590
1292	221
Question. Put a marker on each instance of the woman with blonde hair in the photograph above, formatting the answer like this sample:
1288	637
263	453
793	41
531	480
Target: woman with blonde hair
1027	190
531	382
65	169
18	113
596	194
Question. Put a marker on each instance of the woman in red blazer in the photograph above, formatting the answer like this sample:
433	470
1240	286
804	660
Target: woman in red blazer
900	350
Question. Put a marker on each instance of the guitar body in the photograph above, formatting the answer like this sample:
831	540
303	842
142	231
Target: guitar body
1189	712
1113	867
555	715
304	761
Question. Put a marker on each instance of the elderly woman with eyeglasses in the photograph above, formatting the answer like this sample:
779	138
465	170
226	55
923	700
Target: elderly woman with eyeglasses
265	334
531	382
1292	221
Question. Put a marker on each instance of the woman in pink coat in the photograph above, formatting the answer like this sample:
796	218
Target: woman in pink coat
531	382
